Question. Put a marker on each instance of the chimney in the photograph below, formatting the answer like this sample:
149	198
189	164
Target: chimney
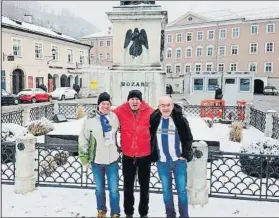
28	18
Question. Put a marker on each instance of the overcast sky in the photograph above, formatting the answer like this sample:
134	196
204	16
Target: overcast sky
94	11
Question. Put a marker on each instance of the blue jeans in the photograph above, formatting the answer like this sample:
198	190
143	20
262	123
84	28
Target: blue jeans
179	169
99	171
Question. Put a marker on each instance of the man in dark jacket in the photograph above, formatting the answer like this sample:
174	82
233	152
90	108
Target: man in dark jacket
171	144
218	93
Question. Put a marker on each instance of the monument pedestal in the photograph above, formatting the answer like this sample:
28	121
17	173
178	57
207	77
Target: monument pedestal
138	48
150	80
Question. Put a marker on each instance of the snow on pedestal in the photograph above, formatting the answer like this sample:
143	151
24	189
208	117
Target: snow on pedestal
25	174
197	175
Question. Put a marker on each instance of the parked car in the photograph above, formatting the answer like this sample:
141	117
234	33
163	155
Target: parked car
270	90
34	95
8	98
63	93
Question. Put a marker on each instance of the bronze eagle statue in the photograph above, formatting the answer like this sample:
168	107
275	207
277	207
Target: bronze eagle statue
139	39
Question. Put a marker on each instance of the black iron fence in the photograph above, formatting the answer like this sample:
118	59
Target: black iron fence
244	176
70	109
7	162
257	119
275	129
36	113
12	117
219	112
230	175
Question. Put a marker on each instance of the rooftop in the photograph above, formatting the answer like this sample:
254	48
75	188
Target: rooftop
6	21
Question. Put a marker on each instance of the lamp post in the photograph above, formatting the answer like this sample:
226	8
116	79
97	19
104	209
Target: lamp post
53	52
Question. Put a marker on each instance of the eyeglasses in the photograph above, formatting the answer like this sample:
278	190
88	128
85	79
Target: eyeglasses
165	105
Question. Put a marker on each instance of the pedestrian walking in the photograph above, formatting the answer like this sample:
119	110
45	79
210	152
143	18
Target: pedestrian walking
98	149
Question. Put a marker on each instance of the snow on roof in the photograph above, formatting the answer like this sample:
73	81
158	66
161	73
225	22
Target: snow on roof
34	28
104	33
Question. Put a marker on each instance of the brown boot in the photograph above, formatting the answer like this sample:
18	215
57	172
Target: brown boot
101	214
116	216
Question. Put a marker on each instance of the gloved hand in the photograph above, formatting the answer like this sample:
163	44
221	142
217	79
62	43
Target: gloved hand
189	155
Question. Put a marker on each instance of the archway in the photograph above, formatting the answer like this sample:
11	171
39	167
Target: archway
17	81
55	80
70	81
76	79
258	86
63	81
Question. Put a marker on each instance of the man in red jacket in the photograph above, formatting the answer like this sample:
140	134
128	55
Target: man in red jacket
134	118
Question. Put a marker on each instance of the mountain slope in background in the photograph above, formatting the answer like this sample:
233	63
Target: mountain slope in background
65	22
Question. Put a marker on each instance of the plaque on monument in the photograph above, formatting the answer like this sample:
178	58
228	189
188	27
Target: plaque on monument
136	2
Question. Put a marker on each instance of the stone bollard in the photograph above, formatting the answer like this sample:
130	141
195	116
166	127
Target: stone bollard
247	114
197	175
269	123
25	165
55	106
26	115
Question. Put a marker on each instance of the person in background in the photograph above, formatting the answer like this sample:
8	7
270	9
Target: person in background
98	149
218	93
134	118
171	139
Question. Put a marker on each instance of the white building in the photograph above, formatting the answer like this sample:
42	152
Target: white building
34	55
236	86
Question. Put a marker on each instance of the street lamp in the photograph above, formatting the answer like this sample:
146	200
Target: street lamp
53	52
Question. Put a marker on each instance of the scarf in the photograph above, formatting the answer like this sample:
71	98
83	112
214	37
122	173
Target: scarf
107	128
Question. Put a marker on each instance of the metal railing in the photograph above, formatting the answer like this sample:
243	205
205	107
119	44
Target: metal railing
230	175
244	176
275	129
8	162
70	109
12	117
258	119
36	113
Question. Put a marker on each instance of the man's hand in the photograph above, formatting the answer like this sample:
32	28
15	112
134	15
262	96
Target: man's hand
181	158
87	166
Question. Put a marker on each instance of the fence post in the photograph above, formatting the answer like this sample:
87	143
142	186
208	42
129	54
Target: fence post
25	164
55	107
269	123
197	175
247	114
26	115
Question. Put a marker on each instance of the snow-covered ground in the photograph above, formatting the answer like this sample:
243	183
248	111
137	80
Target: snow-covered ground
63	202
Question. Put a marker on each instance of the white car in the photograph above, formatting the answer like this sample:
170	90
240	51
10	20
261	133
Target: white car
270	90
64	93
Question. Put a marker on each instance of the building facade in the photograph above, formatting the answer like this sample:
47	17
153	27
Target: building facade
102	42
194	44
33	55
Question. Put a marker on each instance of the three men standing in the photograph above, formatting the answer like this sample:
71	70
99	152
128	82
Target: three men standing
162	136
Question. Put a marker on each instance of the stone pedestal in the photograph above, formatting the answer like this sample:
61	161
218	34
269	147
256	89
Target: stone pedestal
144	70
25	174
197	175
149	80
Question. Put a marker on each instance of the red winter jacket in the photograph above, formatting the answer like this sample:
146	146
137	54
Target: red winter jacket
135	135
